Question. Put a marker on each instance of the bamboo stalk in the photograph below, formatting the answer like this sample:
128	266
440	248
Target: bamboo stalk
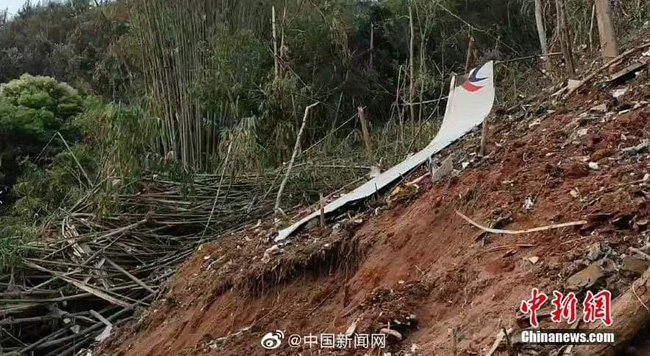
293	156
411	61
366	133
275	44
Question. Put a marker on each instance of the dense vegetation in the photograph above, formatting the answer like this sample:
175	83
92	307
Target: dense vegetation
194	86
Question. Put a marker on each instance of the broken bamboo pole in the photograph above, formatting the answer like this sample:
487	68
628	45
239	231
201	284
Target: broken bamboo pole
470	51
364	129
296	147
519	232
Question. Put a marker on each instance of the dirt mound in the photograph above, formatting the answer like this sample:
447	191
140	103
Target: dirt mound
410	262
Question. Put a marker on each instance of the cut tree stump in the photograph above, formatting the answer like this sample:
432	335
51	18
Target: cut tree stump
630	312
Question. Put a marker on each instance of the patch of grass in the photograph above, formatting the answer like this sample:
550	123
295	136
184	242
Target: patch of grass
15	234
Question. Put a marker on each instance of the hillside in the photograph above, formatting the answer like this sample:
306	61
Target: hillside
345	177
409	262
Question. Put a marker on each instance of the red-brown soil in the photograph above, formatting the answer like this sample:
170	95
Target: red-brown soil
415	256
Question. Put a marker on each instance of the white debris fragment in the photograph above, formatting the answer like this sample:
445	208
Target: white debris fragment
535	122
104	334
374	172
617	93
270	251
529	203
533	259
573	84
602	108
352	328
391	333
593	166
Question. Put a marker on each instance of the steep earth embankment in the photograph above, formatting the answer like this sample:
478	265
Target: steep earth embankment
411	263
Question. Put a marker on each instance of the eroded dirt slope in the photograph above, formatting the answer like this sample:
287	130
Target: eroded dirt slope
409	260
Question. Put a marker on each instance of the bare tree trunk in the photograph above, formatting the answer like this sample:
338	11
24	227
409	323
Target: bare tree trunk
565	41
541	32
372	44
282	51
411	62
591	27
608	44
275	43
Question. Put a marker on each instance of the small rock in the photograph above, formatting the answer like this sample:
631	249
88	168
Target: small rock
634	266
590	275
601	153
593	166
641	147
391	335
576	170
595	252
445	169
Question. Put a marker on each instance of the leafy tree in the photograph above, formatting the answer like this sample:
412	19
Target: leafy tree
72	41
32	109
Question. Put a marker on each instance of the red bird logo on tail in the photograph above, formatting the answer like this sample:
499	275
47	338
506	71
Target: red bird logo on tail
470	83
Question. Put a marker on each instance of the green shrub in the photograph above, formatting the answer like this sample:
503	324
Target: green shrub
32	110
15	234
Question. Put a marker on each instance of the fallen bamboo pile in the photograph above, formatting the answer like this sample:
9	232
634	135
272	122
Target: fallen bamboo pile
89	274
